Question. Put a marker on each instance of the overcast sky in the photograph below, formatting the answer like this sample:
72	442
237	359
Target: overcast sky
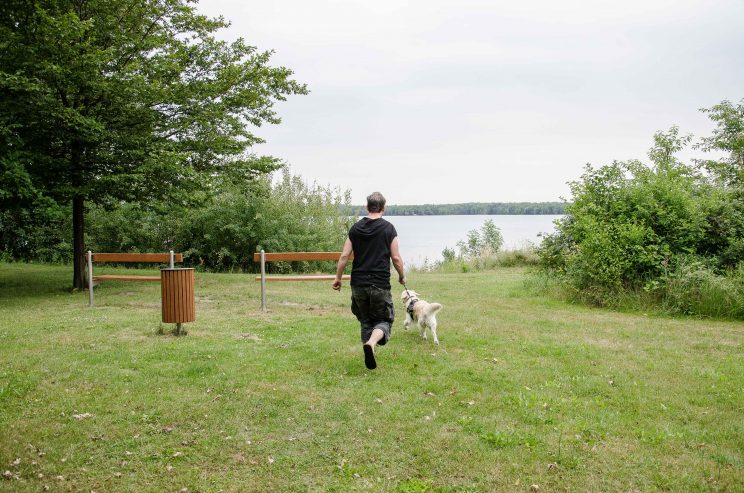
486	101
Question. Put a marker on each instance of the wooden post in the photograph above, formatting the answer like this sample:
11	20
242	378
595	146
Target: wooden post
263	281
90	278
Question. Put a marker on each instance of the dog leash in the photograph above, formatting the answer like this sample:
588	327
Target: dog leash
412	300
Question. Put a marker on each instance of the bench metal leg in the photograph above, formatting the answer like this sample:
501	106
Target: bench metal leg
90	278
263	281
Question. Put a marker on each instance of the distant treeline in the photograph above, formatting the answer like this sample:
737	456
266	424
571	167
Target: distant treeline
469	209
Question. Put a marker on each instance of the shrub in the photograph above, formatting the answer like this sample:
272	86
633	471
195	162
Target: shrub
40	231
664	232
223	232
483	243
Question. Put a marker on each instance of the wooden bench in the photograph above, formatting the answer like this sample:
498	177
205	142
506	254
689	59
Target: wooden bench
264	257
138	258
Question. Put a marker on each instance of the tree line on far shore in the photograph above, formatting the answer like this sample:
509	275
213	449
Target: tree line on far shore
470	209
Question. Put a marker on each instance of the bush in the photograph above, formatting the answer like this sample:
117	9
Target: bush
131	228
665	233
41	231
481	244
224	232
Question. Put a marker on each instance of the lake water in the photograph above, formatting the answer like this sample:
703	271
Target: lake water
424	237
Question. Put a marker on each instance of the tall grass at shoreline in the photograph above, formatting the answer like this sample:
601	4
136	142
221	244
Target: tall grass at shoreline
690	289
523	257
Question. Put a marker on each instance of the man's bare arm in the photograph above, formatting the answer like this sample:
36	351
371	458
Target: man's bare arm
342	261
397	260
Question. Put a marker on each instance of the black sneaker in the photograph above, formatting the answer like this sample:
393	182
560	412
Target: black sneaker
369	357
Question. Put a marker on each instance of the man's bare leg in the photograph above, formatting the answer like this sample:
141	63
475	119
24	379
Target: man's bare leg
375	337
369	348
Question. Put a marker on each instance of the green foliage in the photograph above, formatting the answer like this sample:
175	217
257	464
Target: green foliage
448	254
480	251
32	226
507	258
517	258
728	137
414	486
661	228
109	100
288	215
39	232
131	227
106	101
224	232
691	287
507	439
483	243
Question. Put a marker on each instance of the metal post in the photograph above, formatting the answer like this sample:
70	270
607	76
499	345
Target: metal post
90	278
263	281
172	260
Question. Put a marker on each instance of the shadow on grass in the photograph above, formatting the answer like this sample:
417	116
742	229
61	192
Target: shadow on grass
34	281
37	281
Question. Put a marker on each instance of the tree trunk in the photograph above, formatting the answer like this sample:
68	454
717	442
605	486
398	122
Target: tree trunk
78	242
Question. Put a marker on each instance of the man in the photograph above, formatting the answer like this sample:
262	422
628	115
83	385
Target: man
374	243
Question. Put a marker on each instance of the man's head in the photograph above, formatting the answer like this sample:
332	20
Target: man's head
375	202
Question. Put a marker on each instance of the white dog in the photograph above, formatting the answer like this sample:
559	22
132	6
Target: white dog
421	312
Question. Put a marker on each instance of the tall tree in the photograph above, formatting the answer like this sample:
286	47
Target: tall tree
728	137
106	100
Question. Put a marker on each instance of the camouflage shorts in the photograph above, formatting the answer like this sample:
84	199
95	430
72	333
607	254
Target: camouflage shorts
373	308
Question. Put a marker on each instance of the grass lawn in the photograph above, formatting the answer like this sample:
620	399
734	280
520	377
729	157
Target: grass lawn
523	390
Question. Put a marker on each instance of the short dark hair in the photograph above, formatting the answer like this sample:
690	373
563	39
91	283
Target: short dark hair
375	202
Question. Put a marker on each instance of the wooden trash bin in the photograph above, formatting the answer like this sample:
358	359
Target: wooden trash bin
177	292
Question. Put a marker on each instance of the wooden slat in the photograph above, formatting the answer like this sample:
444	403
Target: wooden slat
297	256
126	278
158	258
302	278
177	294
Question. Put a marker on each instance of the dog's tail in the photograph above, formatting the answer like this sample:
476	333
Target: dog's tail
433	308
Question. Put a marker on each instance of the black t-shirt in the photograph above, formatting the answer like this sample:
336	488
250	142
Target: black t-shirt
370	240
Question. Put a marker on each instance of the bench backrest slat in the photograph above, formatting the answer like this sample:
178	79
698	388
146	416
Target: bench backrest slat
297	256
162	258
292	257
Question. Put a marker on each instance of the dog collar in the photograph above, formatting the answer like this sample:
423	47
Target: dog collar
409	308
